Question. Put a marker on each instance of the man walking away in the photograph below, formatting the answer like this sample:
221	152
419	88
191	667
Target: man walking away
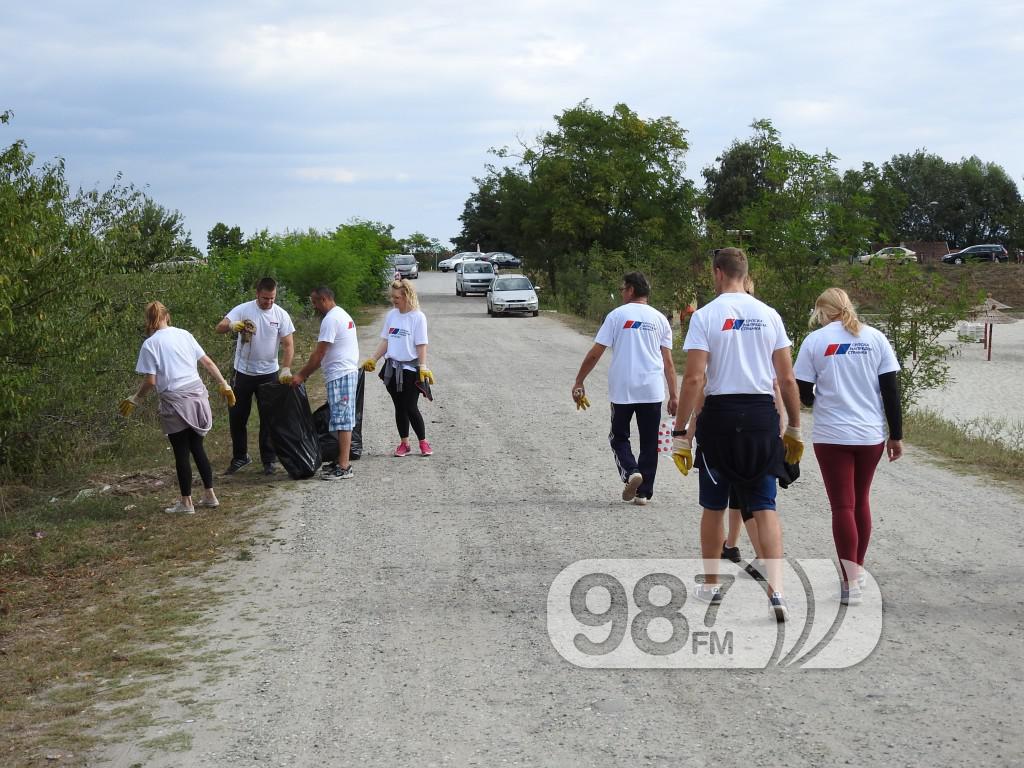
640	338
337	352
740	345
262	328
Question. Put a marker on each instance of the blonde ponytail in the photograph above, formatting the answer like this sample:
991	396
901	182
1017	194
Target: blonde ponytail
155	314
834	304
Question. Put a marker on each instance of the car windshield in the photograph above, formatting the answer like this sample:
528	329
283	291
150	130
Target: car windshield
512	284
403	259
477	268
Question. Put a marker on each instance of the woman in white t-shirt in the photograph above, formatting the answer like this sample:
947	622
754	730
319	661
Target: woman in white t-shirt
168	361
403	346
848	371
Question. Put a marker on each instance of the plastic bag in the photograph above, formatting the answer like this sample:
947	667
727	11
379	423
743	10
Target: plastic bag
328	439
292	432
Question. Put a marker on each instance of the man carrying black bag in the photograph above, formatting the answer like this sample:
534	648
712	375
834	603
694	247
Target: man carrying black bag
337	352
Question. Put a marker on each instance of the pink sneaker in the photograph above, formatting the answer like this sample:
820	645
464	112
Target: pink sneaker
403	449
425	449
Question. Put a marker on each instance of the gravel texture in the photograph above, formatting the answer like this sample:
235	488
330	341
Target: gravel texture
399	618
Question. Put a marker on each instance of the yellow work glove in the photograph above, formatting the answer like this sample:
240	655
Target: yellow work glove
369	365
579	396
127	405
682	454
426	375
228	394
793	444
284	376
238	326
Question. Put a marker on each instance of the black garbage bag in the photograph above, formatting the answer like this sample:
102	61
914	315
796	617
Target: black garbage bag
328	439
291	429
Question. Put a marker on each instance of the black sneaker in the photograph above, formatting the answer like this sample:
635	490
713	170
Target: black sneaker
269	468
337	473
778	605
731	553
237	464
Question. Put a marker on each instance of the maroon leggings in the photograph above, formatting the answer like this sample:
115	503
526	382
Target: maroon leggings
847	471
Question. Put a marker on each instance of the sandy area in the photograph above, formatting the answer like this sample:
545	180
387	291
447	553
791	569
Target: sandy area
400	618
985	394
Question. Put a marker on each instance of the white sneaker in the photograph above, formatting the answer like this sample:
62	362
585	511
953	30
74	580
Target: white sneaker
179	509
640	501
629	492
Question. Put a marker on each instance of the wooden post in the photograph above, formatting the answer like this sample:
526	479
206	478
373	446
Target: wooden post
990	342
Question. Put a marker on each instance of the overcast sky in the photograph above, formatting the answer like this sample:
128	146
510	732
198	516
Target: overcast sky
290	115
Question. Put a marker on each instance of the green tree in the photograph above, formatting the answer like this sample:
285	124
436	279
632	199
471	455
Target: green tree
913	307
221	238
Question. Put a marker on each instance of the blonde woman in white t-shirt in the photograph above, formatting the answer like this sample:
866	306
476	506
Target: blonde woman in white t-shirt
849	373
403	346
168	360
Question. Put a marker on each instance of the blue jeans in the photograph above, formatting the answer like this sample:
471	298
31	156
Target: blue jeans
648	419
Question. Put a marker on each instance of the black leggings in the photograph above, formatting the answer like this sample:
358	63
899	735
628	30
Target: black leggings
407	410
186	442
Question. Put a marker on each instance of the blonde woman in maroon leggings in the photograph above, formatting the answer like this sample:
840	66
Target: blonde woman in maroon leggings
847	370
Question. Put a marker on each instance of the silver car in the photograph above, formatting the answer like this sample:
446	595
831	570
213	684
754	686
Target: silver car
473	277
404	265
513	293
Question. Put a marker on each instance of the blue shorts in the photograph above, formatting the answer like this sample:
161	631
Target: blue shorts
714	490
341	395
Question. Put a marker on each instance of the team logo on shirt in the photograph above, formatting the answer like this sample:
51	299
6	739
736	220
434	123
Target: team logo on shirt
854	348
743	324
639	325
398	333
351	325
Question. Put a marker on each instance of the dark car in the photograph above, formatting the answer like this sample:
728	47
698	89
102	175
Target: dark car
977	253
503	259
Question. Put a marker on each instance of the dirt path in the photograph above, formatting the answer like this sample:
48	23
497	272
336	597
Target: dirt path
399	619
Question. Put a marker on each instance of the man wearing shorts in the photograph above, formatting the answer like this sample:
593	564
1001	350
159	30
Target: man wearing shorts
337	352
741	345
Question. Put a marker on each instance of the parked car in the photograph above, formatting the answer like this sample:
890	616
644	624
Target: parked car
512	293
453	261
977	253
896	253
503	259
473	277
405	265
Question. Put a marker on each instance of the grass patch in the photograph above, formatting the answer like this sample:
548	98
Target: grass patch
92	607
990	447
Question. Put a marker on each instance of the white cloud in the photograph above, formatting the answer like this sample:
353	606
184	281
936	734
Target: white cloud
330	175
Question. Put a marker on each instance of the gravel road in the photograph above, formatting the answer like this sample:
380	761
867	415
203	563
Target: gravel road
399	619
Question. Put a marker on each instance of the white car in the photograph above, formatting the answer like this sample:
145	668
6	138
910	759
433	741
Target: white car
896	253
512	293
453	261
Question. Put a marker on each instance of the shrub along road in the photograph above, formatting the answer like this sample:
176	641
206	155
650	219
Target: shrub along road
400	618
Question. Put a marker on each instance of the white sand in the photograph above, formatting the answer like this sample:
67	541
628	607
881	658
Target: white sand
985	395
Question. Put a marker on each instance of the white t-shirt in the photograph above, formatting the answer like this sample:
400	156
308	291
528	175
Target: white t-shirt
636	333
259	356
404	332
171	355
342	357
740	333
844	369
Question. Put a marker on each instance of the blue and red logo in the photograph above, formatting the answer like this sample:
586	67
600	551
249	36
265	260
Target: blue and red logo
638	325
399	332
836	349
732	324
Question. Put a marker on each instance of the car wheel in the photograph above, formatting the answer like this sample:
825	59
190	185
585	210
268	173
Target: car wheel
535	313
958	260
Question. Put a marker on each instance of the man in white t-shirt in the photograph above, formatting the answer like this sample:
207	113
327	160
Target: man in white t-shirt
337	352
738	345
262	328
640	338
